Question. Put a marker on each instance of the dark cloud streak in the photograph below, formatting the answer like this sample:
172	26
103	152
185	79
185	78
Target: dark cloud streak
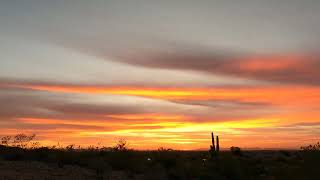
289	68
282	68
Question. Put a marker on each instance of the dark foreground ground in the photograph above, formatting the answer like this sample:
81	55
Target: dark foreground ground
44	163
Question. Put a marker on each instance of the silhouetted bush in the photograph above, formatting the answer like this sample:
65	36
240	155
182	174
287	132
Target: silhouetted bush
315	147
22	140
122	145
162	149
19	140
236	151
5	140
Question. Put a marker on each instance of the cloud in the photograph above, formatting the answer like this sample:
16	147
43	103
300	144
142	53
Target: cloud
27	103
76	101
80	115
299	67
245	95
83	102
290	68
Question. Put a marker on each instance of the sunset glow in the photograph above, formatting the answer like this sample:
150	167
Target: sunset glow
274	95
89	74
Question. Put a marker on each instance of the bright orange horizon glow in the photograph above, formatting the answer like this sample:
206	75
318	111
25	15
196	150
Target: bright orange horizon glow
180	131
164	133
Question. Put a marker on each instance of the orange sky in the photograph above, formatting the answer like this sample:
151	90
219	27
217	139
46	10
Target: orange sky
296	107
275	95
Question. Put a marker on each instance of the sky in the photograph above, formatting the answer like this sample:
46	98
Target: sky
161	73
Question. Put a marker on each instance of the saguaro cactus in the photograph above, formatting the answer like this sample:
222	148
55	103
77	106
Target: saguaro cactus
212	147
218	146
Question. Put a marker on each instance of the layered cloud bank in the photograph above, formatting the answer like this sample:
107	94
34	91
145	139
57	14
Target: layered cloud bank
164	78
175	117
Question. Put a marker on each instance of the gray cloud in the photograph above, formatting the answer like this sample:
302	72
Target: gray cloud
36	104
283	68
207	37
293	67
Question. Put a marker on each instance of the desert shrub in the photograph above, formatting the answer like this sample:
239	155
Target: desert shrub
163	149
22	140
315	147
5	141
122	145
35	145
236	151
71	147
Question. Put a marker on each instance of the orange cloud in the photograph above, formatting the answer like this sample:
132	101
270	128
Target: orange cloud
148	116
297	122
271	63
273	95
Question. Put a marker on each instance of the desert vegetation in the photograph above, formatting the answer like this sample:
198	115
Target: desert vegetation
121	162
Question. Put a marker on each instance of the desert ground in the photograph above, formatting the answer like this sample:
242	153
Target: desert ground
162	164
